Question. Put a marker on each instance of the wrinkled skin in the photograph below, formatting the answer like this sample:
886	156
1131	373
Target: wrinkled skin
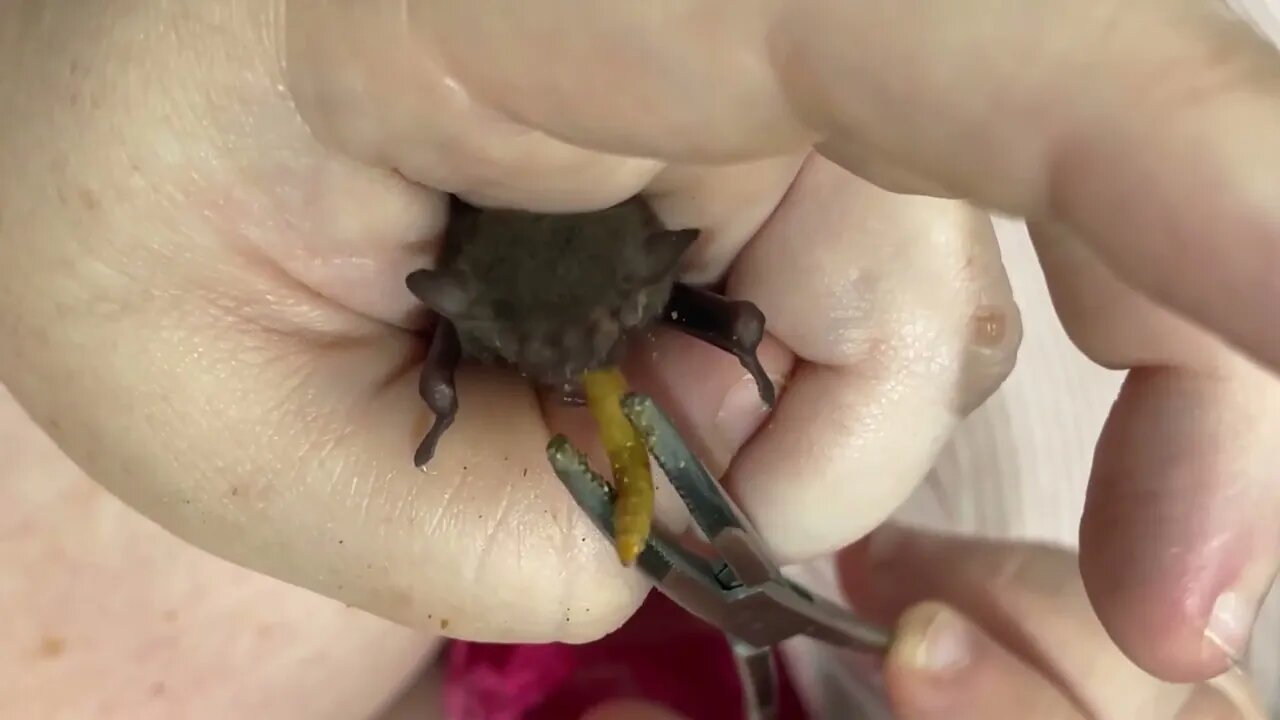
209	209
208	640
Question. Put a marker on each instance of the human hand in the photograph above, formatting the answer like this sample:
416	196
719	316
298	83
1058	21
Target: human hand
998	631
213	324
107	616
992	629
203	257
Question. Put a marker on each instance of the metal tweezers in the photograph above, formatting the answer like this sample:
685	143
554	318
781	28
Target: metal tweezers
744	593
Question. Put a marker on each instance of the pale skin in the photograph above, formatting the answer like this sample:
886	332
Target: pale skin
203	252
183	634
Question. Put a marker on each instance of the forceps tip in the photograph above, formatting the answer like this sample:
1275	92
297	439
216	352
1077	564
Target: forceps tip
563	454
588	488
642	412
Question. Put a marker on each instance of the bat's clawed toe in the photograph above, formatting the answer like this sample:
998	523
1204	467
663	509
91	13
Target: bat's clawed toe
744	343
735	326
440	290
438	388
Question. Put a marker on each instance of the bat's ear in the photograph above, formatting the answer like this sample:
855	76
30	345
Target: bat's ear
439	290
664	250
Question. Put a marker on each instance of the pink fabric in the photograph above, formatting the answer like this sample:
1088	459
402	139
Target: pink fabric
662	655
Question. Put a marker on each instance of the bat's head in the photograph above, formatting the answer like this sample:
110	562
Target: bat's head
552	295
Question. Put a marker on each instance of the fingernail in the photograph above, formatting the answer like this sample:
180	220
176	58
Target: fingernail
1231	624
945	647
1208	703
1235	612
741	413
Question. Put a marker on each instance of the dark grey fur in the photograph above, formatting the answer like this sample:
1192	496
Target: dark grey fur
555	295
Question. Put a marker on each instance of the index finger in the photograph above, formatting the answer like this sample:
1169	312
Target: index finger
1145	126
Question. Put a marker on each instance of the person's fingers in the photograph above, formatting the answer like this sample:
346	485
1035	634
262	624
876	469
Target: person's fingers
236	377
1187	460
1030	600
163	331
901	320
729	203
215	357
510	76
942	666
1143	126
106	615
874	366
704	389
308	478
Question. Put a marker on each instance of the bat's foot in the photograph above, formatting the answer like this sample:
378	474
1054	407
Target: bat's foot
735	326
438	388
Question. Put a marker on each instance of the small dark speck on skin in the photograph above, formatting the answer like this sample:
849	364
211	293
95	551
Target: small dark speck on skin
51	646
444	623
88	199
341	541
235	491
525	473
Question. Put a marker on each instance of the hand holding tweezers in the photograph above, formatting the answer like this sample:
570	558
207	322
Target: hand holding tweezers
743	593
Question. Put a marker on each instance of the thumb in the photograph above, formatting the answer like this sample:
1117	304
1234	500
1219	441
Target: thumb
211	385
1025	604
1169	182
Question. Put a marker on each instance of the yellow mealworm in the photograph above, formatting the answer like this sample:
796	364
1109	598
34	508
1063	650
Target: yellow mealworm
629	459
